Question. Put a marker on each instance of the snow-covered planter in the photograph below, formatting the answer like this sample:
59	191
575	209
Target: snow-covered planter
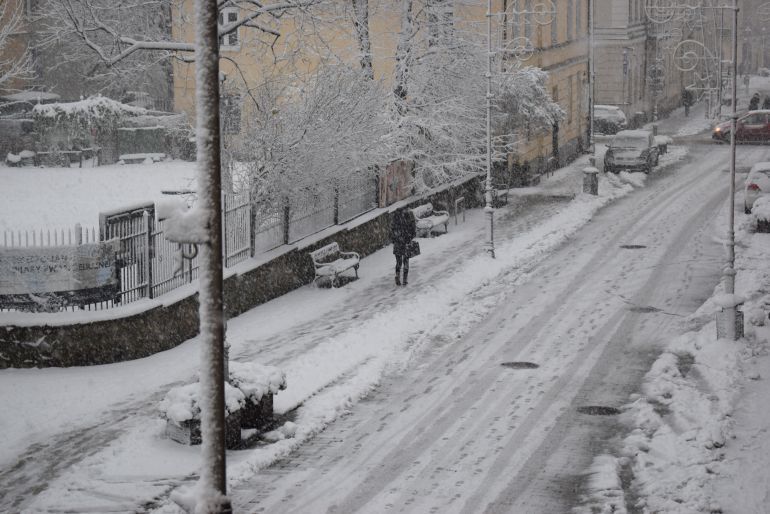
258	384
760	212
181	409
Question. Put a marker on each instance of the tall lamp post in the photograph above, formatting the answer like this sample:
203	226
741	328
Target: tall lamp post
729	272
489	245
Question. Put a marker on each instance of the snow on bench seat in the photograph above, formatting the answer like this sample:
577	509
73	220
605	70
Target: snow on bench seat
428	219
329	262
137	158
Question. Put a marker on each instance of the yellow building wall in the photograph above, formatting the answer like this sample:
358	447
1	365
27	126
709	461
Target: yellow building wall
303	45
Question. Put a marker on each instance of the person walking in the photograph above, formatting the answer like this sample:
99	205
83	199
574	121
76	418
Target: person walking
766	102
687	100
754	102
403	228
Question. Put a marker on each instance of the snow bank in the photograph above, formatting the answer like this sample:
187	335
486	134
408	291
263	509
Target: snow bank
681	428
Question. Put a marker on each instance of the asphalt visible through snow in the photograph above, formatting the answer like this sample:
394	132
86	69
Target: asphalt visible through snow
459	432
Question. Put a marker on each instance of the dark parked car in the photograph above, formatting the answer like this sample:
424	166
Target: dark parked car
631	150
752	127
609	119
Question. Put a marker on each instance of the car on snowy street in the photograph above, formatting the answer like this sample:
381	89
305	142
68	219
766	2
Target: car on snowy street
752	127
757	184
609	119
634	150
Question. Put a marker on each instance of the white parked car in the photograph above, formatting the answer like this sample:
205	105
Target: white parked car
757	184
609	119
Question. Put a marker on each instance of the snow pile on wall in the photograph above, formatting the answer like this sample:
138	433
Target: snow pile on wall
93	107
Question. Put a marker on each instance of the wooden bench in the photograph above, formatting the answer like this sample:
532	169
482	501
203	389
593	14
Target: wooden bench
330	262
428	219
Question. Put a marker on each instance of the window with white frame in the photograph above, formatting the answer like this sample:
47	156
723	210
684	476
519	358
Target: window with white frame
227	16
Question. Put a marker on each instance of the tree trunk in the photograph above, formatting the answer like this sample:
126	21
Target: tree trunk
403	56
213	482
361	22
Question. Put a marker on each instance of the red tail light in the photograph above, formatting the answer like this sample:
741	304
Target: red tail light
753	187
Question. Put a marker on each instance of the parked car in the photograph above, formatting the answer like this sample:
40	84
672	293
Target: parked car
609	119
752	127
757	184
632	150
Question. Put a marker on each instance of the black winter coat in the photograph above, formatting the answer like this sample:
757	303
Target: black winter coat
403	228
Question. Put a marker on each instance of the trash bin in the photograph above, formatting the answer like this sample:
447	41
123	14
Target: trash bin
591	180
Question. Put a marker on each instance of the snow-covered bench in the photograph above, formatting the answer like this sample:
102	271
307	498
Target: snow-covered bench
139	158
428	219
330	262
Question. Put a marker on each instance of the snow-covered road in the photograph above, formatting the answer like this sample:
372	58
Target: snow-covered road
443	426
459	432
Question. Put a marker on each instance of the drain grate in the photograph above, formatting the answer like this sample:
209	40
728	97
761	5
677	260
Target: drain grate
632	247
520	365
598	410
644	309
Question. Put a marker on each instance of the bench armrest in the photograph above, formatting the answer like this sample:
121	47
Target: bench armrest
440	213
351	254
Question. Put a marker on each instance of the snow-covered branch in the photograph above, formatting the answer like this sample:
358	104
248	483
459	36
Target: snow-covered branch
112	33
12	65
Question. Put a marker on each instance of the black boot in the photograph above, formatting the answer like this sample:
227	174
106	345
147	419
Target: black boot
398	279
406	274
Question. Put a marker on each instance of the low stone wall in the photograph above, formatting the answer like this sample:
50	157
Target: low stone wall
162	328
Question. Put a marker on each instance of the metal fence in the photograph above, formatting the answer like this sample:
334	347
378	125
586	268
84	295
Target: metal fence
355	197
310	211
150	265
58	237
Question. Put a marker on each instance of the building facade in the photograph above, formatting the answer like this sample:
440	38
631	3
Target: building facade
556	41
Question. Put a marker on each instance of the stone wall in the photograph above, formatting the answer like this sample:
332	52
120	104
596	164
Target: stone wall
164	327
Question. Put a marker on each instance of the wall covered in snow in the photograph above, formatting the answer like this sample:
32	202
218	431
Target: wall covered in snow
160	328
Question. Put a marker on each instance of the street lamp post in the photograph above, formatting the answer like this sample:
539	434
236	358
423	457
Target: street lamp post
729	272
488	208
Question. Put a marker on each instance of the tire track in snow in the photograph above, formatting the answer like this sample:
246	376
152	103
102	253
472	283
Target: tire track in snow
383	474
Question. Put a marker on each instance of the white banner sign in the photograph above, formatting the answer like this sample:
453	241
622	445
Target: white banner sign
57	269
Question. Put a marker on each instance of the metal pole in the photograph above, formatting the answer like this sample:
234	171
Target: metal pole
730	269
488	209
719	54
212	328
591	77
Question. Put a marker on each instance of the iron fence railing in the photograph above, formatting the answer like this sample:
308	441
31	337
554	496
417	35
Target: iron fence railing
149	265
